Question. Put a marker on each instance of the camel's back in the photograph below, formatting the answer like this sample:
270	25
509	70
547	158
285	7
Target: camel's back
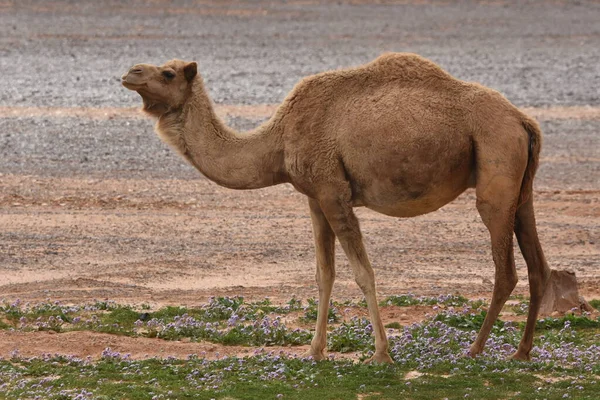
402	68
405	69
394	88
392	80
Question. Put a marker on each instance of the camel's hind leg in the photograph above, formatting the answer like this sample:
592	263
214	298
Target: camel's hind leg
497	196
537	268
325	252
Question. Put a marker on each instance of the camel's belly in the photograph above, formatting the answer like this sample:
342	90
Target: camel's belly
411	208
410	200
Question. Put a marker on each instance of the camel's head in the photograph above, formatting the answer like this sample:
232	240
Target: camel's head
162	87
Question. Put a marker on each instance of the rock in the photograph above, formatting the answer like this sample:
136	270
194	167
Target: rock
562	295
585	306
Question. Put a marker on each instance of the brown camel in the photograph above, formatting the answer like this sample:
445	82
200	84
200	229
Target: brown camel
398	135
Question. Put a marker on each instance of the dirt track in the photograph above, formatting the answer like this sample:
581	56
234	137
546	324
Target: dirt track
93	206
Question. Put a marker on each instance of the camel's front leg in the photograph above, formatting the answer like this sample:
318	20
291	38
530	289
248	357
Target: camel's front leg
325	252
338	210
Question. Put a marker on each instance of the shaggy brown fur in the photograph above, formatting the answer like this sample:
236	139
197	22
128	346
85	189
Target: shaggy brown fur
398	135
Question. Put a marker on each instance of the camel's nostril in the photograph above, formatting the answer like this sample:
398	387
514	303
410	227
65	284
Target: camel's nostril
136	71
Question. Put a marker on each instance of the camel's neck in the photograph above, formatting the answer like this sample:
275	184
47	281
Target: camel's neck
247	161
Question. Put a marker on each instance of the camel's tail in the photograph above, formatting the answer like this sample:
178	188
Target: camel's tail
535	146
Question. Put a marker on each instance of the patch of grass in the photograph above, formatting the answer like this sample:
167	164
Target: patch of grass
393	325
221	308
595	303
261	332
574	321
271	377
12	311
105	305
118	321
51	315
411	300
224	308
522	308
311	312
401	301
265	332
227	320
265	306
167	313
470	320
354	335
566	349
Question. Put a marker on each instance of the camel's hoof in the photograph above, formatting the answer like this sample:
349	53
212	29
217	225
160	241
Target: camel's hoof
474	352
381	358
315	356
521	356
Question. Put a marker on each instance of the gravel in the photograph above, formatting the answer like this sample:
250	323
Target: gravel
68	53
63	147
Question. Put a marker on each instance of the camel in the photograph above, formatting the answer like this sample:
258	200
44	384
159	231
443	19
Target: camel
398	135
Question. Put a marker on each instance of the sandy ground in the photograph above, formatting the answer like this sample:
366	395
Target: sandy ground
176	242
93	206
91	344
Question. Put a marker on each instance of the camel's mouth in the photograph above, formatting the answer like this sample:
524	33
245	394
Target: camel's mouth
130	85
133	81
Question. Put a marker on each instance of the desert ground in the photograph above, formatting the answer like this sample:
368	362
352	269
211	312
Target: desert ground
94	206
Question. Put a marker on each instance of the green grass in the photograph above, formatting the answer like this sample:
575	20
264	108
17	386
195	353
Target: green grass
411	300
264	377
393	325
566	360
575	321
310	312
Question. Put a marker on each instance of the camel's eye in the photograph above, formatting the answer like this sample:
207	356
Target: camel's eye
168	74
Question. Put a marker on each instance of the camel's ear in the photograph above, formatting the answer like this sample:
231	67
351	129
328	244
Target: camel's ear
190	70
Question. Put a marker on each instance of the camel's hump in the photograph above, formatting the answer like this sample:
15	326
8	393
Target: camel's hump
389	66
406	66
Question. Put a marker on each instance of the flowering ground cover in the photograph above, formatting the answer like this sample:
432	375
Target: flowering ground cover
429	355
